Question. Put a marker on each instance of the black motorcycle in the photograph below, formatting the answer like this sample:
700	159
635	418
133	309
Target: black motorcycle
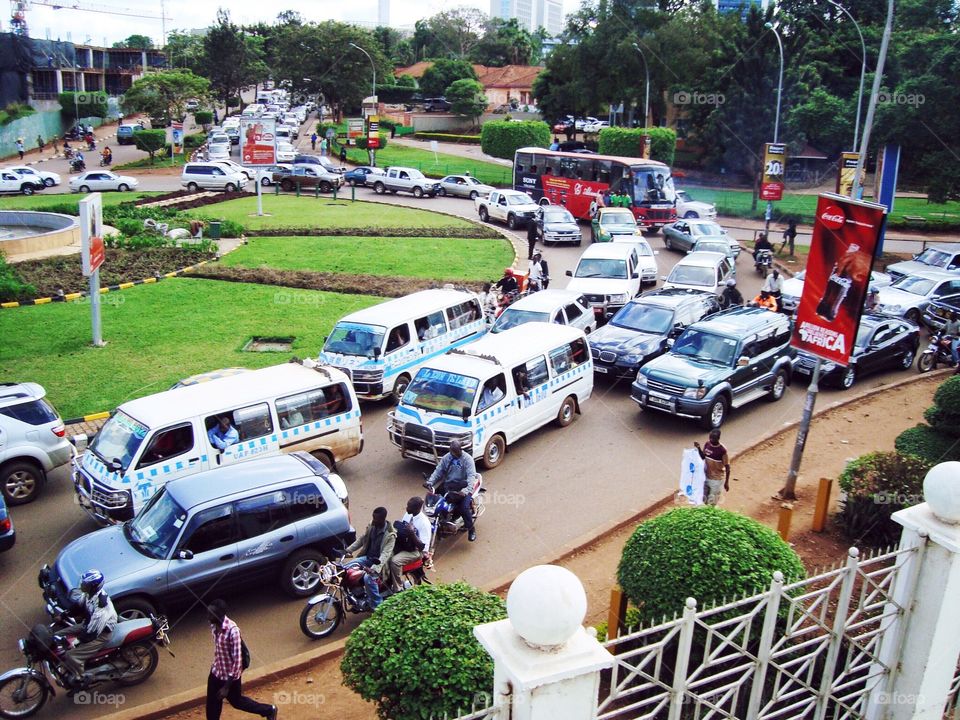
937	353
77	165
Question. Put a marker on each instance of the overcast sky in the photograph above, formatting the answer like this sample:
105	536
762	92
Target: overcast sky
101	28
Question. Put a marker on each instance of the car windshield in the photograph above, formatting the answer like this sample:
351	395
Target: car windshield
712	246
602	268
693	275
512	317
863	336
32	412
155	529
119	439
617	218
558	215
934	258
653	184
355	339
644	318
518	200
644	249
441	392
914	285
706	347
705	228
472	180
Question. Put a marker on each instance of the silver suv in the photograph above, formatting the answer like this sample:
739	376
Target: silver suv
270	520
32	441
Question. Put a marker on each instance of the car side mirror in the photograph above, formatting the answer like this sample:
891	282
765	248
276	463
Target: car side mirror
376	353
743	361
185	555
569	273
115	466
663	277
634	275
670	342
465	414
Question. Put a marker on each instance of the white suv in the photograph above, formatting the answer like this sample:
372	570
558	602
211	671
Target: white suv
32	441
211	176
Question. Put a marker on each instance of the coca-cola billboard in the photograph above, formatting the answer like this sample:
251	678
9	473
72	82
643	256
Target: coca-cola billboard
841	257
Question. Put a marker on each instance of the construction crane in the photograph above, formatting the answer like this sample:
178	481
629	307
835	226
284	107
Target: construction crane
18	14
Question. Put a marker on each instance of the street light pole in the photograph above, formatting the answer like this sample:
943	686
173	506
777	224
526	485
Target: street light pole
863	68
776	123
371	152
646	97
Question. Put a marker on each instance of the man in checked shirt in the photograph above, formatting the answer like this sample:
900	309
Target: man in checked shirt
224	680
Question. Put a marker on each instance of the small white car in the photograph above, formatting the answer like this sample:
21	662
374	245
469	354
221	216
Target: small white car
285	152
513	207
608	275
218	151
248	173
705	271
595	126
102	180
266	172
45	176
689	208
646	257
465	186
563	307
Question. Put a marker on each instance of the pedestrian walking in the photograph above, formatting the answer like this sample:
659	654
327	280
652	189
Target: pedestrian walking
313	141
343	154
393	131
20	148
56	145
717	467
532	233
40	143
224	683
323	146
789	236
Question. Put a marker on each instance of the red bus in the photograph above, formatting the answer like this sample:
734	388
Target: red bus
579	181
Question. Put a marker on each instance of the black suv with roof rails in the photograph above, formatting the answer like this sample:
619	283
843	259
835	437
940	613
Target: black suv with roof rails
723	362
641	329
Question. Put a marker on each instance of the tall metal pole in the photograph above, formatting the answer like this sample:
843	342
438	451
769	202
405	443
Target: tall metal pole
776	123
646	97
370	151
863	69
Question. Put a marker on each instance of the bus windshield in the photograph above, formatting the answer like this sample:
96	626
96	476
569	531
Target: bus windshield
355	339
653	184
441	392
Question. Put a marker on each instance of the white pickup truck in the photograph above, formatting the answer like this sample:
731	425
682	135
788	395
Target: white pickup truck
397	179
510	206
10	182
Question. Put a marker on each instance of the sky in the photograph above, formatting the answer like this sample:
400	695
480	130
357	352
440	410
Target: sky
105	29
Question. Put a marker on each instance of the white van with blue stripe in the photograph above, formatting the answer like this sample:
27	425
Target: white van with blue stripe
492	392
383	346
150	441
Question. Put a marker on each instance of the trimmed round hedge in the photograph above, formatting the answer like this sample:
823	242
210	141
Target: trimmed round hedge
416	656
706	553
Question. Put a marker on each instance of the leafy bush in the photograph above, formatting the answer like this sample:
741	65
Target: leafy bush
15	111
203	117
233	102
439	76
228	228
705	553
501	138
12	288
75	105
877	485
362	141
194	140
150	141
416	656
322	128
944	416
631	620
395	93
626	142
447	137
926	443
153	240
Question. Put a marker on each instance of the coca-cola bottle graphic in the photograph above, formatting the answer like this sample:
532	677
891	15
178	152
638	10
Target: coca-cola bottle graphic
838	285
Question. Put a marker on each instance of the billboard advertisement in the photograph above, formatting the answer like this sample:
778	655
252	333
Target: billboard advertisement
845	234
177	137
259	141
354	130
847	172
774	169
373	131
92	253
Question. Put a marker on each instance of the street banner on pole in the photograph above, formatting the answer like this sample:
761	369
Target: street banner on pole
354	130
259	139
845	233
92	255
774	170
373	131
888	166
847	172
177	133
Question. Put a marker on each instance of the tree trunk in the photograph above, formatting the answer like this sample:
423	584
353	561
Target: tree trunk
756	189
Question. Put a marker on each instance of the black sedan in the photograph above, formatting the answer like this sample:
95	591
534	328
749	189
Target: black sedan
936	314
882	342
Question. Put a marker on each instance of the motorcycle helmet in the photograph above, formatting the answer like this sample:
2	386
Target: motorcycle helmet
874	289
508	271
91	581
731	283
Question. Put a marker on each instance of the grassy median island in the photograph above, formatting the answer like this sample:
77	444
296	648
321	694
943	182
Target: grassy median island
41	201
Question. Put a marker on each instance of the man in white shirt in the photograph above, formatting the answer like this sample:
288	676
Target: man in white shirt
403	556
774	285
535	274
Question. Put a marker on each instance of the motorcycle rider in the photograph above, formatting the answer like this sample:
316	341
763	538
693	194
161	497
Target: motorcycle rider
488	302
101	620
731	297
377	544
761	244
404	551
508	283
951	329
106	155
535	274
773	284
456	473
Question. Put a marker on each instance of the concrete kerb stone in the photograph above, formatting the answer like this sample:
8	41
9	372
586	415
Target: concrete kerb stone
284	668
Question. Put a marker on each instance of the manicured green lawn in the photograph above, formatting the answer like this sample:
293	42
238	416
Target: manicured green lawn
44	200
289	211
424	161
157	334
159	162
437	258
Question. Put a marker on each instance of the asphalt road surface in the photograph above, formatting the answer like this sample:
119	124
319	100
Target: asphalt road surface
554	487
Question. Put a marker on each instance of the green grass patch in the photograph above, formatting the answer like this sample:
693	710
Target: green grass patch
431	258
442	164
41	201
159	162
289	211
158	334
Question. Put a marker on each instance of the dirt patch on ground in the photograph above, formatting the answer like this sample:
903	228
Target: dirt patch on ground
837	435
330	282
53	274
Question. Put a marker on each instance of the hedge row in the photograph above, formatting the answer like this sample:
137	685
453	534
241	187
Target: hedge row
502	138
447	137
626	142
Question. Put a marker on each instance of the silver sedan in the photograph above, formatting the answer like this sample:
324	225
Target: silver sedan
465	186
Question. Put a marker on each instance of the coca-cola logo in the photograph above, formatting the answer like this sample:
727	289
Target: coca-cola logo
833	217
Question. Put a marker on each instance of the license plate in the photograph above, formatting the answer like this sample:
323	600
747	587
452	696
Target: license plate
662	402
661	396
597	368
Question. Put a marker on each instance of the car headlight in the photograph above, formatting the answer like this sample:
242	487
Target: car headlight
621	298
631	358
696	393
890	308
641	380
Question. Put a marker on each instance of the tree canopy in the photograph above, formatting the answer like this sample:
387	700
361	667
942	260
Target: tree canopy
443	73
164	94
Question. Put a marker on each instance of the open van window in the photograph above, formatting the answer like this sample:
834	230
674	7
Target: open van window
355	339
441	392
309	407
431	326
494	390
567	357
250	422
119	439
398	337
167	444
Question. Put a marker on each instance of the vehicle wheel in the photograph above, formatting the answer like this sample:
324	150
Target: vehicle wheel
191	187
779	386
320	620
378	188
666	242
418	192
83	189
691	214
848	378
265	181
27	189
544	201
913	316
400	387
326	187
134	608
326	458
142	658
48	182
229	187
716	414
123	187
443	193
494	451
927	362
484	215
511	222
473	194
286	185
907	360
567	411
301	573
22	696
21	482
352	183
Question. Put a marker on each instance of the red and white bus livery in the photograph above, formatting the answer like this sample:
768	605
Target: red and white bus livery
580	182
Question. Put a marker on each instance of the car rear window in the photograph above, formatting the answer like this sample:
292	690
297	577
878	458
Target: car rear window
34	412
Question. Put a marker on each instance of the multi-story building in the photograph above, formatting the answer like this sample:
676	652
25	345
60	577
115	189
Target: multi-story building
531	14
739	6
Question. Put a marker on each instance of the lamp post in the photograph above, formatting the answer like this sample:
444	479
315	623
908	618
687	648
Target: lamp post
646	95
863	68
374	67
776	122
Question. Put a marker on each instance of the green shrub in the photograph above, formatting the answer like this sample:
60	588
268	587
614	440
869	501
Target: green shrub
150	141
626	142
322	128
233	102
15	111
395	93
12	288
228	228
502	138
631	620
877	485
203	117
194	140
928	444
416	656
705	553
944	416
75	105
404	130
362	141
447	137
128	226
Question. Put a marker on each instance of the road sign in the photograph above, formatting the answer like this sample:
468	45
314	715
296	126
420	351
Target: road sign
774	169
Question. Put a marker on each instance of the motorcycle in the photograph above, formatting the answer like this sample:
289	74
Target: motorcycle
77	165
344	590
763	262
130	657
937	353
105	161
441	510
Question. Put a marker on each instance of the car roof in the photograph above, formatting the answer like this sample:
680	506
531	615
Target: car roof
608	250
943	248
933	275
671	297
13	393
546	300
506	349
702	258
874	319
739	321
210	397
408	306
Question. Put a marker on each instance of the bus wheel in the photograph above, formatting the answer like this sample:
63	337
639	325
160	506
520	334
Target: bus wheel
494	451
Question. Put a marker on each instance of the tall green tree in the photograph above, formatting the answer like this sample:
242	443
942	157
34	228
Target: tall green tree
232	59
504	42
450	33
185	50
394	46
139	42
164	94
444	73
